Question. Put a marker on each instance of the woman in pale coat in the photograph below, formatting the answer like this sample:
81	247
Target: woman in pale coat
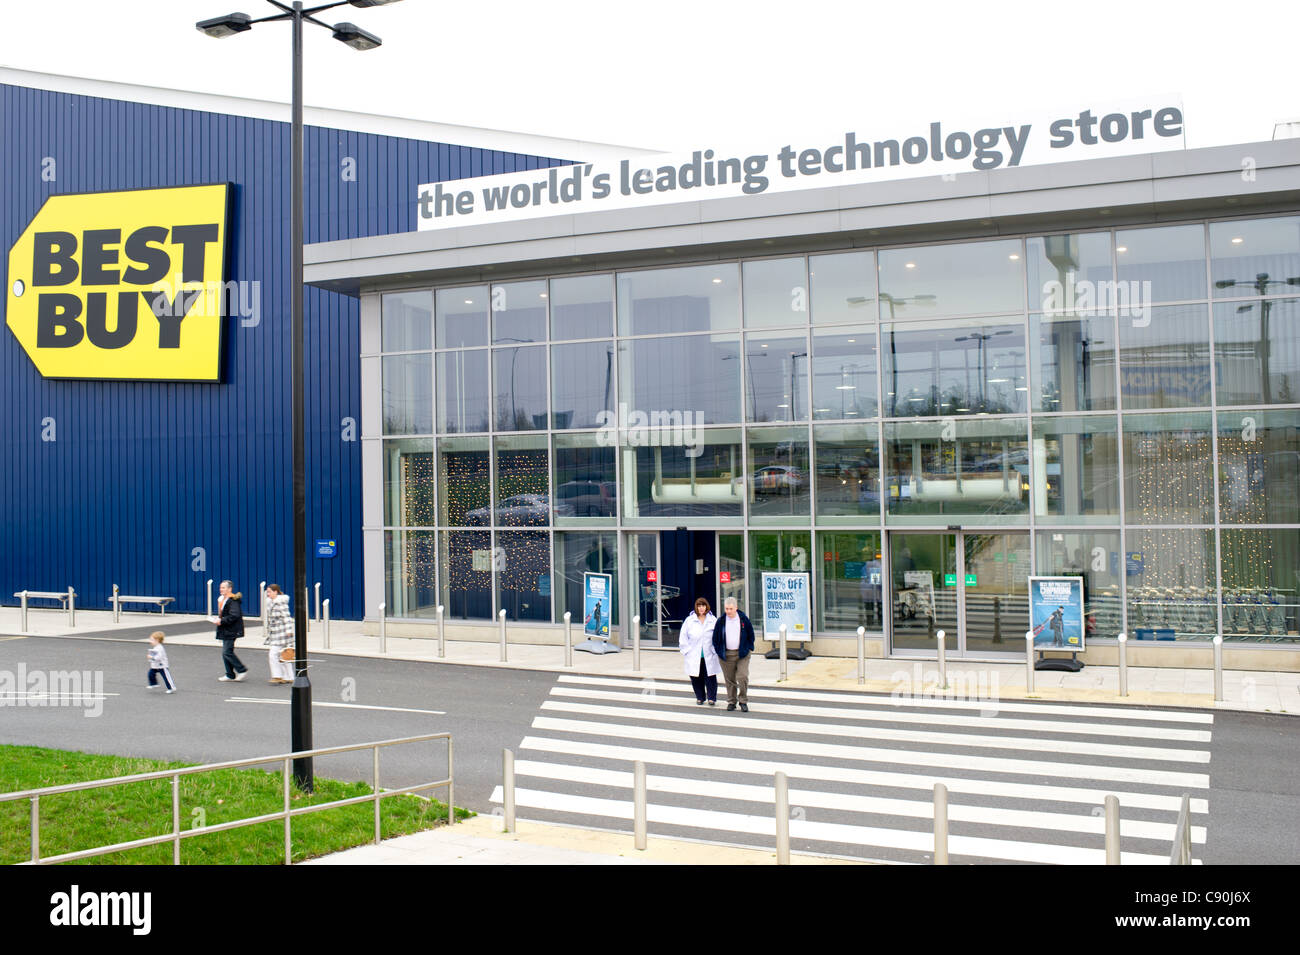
696	645
279	634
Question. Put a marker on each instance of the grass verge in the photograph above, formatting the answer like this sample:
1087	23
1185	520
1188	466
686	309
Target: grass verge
97	817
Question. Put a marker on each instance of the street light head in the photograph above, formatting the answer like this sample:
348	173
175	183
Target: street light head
355	37
371	3
228	25
1225	283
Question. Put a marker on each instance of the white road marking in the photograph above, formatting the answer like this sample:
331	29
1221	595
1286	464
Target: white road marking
344	706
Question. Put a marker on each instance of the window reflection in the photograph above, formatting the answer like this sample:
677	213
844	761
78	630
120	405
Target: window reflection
410	583
695	374
968	278
844	373
519	312
463	391
582	307
524	574
978	468
407	321
954	370
673	474
1259	467
1167	469
693	299
776	377
1255	257
1165	358
1257	351
1165	264
585	484
582	382
848	474
779	478
776	292
843	287
462	316
1075	473
1074	361
523	495
850	581
467	574
519	386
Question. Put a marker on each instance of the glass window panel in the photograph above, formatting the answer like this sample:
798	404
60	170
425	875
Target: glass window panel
1073	357
585	484
955	369
776	370
667	474
406	322
1094	556
519	379
844	373
1075	473
1167	469
1257	351
582	307
693	299
523	495
462	316
519	312
408	394
463	391
843	287
779	482
464	481
410	480
849	582
974	467
1066	271
578	553
410	585
466	574
1261	573
776	293
697	375
1255	256
1171	584
848	474
1259	467
731	563
966	278
774	551
1170	258
524	574
582	383
1165	358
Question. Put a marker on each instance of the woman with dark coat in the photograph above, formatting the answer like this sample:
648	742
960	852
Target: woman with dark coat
230	627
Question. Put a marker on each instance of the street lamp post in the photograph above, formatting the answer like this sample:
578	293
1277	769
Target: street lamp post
1261	285
358	39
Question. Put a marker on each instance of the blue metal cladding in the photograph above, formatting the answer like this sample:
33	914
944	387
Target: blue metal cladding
140	474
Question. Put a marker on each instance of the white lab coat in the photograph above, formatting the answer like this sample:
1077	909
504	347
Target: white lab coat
697	637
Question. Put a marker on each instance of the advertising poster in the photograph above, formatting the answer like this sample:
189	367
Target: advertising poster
916	598
596	589
785	601
1056	612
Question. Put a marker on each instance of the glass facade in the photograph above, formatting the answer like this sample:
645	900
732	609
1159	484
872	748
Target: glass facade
1123	405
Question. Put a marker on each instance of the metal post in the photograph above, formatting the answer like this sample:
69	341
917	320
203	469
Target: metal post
1218	668
325	622
940	824
72	607
176	819
638	803
36	828
782	818
209	596
943	659
781	651
318	616
288	833
636	642
378	837
383	630
508	788
442	635
117	606
22	610
261	602
568	638
1123	664
502	617
862	655
1112	830
1029	661
451	786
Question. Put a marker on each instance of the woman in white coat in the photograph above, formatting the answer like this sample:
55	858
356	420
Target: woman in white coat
696	645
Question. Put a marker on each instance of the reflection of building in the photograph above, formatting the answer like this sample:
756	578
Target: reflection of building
1148	441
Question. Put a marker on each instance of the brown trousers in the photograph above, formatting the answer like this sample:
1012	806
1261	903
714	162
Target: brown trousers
736	672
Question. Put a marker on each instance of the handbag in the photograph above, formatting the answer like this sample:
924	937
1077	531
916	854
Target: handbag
286	655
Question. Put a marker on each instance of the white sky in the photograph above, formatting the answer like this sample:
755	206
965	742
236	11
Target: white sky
675	74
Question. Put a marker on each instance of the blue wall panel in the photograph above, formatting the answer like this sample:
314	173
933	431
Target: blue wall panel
141	473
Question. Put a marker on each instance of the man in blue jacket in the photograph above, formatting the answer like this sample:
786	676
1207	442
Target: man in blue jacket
733	639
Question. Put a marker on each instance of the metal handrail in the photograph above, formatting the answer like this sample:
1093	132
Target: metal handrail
287	813
1181	854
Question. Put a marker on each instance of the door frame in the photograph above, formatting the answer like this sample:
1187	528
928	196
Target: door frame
629	564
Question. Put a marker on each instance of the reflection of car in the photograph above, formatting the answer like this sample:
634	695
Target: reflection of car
519	509
779	479
585	499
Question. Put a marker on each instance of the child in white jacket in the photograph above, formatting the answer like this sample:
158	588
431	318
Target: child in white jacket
158	663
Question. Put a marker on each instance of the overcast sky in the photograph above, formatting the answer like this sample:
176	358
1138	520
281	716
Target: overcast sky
675	74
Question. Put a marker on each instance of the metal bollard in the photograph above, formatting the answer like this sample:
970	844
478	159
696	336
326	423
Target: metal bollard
1112	830
318	616
261	602
636	642
862	655
782	818
1123	664
508	788
568	638
383	630
117	605
1029	661
442	635
502	617
939	639
325	623
72	607
1218	668
209	596
781	644
638	803
22	610
940	824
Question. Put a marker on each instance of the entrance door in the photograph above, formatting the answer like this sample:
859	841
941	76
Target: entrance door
673	568
972	585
